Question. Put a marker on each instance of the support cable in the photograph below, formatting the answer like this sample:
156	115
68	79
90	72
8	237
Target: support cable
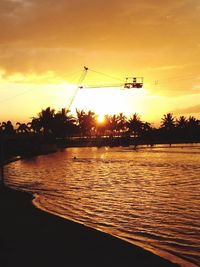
81	79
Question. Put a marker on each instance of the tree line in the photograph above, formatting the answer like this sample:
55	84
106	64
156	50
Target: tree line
62	124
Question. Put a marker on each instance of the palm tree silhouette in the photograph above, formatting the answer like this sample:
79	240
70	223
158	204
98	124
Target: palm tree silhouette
86	122
193	128
181	122
168	122
135	125
111	124
193	122
7	128
35	125
22	128
46	117
64	123
121	124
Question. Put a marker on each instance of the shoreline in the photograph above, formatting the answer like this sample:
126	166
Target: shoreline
164	255
29	146
14	158
32	237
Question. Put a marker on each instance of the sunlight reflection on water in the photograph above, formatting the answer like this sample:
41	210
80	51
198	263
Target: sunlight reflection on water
149	196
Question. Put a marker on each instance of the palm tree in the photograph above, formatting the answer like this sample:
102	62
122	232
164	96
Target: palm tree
135	125
193	122
80	120
181	122
111	123
46	117
22	128
35	125
64	123
86	122
7	128
193	128
168	122
121	124
146	127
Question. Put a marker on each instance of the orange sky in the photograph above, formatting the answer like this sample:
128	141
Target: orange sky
44	45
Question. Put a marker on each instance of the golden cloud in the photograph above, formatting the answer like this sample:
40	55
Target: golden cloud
39	37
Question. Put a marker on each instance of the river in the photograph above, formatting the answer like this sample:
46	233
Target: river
149	196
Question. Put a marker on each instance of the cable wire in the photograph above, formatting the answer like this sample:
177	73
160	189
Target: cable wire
106	75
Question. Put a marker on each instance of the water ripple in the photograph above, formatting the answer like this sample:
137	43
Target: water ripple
150	197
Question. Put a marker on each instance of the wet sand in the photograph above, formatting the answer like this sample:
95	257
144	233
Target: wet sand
30	237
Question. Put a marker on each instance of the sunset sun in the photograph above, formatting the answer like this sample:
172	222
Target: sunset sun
100	118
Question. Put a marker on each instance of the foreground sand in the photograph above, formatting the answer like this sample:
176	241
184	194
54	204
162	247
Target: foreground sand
30	237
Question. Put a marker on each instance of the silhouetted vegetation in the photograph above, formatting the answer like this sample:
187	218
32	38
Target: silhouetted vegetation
61	128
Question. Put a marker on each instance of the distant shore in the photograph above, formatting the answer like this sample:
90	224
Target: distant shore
31	237
14	148
124	141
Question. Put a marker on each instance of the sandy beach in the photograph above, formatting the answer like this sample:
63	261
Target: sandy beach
31	237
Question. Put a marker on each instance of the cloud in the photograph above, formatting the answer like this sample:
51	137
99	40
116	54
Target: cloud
38	60
188	110
47	22
40	36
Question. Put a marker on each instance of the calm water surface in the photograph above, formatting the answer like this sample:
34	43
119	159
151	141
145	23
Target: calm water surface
148	196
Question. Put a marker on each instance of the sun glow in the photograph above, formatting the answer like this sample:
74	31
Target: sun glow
102	101
100	118
110	101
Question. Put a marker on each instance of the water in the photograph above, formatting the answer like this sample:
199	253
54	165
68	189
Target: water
148	196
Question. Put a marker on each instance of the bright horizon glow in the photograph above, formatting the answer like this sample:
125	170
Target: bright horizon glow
100	118
103	101
109	101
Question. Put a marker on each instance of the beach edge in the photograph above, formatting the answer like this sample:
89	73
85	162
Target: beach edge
30	236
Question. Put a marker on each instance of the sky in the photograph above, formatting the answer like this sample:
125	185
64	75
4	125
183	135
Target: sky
44	46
